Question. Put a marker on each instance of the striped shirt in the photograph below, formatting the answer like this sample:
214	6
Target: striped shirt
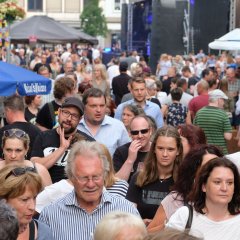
120	187
214	122
68	221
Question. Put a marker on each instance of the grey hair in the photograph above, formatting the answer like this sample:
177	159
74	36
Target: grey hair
151	84
119	221
8	222
85	148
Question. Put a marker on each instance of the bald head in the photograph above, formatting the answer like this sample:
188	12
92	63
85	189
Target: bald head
230	74
202	87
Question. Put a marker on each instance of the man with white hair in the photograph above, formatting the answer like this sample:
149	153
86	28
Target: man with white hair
214	120
76	215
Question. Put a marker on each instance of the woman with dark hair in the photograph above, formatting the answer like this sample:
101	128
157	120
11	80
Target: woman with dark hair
129	112
216	202
191	136
184	184
33	105
148	187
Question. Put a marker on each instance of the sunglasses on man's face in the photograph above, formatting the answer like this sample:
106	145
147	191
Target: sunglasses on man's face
14	132
142	131
20	171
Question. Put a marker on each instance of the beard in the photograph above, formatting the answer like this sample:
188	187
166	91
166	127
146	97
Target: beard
69	130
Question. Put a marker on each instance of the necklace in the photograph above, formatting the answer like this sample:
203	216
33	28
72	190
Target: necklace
163	179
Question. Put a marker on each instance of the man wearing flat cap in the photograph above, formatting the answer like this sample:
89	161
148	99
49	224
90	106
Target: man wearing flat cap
214	120
51	148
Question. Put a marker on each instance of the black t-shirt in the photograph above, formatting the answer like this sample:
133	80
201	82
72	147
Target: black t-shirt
44	117
148	197
121	155
27	127
46	143
30	117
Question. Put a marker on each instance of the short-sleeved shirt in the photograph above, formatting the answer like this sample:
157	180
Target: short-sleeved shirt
46	143
30	117
177	114
148	197
45	116
121	155
197	103
214	122
171	203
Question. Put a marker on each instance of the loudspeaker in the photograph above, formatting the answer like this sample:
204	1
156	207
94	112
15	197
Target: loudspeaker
124	26
209	21
167	29
142	20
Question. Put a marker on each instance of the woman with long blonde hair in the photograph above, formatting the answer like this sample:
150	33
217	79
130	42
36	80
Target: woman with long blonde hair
100	79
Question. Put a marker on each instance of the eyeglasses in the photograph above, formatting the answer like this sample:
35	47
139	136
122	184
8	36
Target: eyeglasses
20	171
66	114
84	180
142	131
14	132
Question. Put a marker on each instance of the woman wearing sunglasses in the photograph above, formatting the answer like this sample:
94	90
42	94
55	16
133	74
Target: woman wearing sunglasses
15	145
19	186
149	187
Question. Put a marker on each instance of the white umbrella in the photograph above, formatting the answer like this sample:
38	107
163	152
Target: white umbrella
230	41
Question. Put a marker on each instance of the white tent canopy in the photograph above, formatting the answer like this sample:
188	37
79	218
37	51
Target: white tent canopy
230	41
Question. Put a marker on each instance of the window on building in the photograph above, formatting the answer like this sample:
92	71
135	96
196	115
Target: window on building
54	6
35	5
117	5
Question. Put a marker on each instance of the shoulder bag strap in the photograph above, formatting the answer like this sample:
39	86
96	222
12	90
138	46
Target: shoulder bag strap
190	217
51	108
31	230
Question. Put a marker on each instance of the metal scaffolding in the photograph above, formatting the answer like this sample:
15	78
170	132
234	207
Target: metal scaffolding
232	17
130	27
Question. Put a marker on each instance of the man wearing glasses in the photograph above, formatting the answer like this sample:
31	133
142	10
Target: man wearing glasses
128	158
51	147
76	215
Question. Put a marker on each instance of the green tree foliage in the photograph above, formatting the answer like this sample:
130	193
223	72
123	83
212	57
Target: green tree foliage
93	21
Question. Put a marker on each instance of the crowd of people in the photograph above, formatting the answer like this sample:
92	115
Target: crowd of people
120	152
